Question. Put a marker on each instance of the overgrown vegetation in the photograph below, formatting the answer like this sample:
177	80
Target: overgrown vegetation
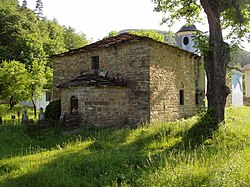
53	110
171	154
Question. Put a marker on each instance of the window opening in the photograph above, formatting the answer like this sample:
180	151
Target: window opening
196	98
185	40
94	62
48	96
74	105
181	97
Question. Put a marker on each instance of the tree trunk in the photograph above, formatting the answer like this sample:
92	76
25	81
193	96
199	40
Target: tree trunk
34	106
12	103
216	61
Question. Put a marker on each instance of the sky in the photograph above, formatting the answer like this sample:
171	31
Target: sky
96	18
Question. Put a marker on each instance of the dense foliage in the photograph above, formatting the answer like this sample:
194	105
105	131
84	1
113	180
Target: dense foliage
239	58
14	82
31	41
24	37
53	110
148	33
153	155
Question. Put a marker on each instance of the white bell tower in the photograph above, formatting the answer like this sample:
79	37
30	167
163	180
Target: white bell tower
184	38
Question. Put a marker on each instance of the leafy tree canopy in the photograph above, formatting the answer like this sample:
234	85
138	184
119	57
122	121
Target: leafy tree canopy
26	43
14	82
25	38
72	39
232	15
149	33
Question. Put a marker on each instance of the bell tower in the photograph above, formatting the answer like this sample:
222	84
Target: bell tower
184	38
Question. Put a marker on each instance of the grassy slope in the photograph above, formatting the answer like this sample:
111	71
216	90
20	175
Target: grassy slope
159	155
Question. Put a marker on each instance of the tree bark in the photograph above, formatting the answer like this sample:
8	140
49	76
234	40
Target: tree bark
34	106
216	61
12	103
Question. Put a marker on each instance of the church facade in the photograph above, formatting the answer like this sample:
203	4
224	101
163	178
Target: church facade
127	80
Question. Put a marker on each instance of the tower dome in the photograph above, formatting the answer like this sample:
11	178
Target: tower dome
184	38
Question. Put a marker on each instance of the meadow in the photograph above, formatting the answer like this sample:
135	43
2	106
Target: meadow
182	153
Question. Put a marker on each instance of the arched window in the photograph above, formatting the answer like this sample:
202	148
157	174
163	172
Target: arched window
74	105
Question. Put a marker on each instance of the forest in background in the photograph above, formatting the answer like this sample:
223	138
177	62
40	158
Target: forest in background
26	43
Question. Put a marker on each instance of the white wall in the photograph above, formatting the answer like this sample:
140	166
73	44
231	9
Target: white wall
237	88
40	102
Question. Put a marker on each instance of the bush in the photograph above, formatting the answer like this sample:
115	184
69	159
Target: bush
53	110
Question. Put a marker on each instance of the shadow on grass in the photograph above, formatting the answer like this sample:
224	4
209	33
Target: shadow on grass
201	131
110	161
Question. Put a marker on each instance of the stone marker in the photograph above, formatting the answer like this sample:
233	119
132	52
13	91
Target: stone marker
25	117
62	118
41	115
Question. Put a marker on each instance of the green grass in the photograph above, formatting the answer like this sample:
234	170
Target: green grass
171	154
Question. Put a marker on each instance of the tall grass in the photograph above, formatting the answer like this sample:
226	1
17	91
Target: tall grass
169	154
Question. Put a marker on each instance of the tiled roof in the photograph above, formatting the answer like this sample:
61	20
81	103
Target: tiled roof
107	42
112	41
93	80
246	67
188	28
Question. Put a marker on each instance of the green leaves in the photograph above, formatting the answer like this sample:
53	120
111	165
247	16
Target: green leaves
14	81
190	10
72	39
236	19
235	15
150	33
26	38
201	42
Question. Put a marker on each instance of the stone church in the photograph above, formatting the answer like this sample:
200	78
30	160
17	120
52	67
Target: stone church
130	79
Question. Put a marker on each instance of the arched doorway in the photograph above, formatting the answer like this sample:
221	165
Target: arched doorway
74	105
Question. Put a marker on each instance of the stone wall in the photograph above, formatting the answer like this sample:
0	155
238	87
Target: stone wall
173	70
155	74
246	101
129	61
99	106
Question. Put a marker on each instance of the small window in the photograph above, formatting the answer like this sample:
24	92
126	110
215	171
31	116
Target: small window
74	105
48	96
181	97
197	98
185	40
94	62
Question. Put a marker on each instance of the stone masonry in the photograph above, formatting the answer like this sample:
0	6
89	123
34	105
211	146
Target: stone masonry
155	74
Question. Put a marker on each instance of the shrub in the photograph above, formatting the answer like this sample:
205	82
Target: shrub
53	110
